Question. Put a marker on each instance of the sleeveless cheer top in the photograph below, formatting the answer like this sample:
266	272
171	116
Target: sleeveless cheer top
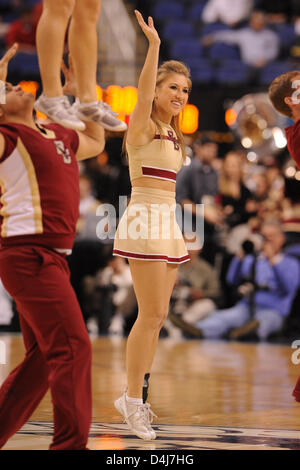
161	158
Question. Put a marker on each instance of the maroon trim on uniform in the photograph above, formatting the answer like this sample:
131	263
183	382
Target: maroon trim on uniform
10	141
143	256
290	221
159	173
170	137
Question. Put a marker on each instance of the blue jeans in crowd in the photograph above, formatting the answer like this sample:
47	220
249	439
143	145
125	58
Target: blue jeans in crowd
221	321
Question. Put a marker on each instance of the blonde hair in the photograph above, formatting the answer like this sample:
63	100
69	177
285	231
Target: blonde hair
167	68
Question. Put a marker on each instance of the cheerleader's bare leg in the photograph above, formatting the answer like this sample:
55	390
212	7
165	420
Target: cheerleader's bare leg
83	43
152	281
169	286
50	39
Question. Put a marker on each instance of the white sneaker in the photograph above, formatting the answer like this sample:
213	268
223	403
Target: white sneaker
138	417
101	113
59	110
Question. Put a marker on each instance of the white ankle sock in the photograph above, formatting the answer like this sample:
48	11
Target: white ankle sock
133	401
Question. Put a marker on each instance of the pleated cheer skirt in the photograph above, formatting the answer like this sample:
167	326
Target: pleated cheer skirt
148	229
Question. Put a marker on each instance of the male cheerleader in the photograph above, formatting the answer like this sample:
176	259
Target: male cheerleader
284	93
38	215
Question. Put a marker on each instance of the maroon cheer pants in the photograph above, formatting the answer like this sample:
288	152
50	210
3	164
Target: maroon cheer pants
58	349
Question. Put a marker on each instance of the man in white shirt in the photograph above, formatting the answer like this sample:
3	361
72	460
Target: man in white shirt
230	12
258	44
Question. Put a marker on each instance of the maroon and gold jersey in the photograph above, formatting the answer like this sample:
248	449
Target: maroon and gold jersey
39	185
293	141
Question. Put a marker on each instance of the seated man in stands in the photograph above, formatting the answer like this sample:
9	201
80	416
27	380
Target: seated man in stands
258	44
197	290
267	284
111	298
230	12
197	183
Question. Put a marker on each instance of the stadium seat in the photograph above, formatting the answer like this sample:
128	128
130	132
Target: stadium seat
194	13
25	63
220	50
272	70
168	10
286	33
183	49
232	72
202	71
213	28
178	29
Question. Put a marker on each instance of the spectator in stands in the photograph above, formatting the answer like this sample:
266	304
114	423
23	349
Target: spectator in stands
242	234
89	252
23	30
229	12
197	183
112	289
258	44
88	203
267	284
268	198
197	290
291	212
274	175
262	186
233	193
199	179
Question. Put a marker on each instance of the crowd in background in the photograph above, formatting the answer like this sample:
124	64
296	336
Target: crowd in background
229	43
18	23
222	41
244	267
251	212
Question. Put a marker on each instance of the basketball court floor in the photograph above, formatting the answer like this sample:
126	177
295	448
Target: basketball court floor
207	395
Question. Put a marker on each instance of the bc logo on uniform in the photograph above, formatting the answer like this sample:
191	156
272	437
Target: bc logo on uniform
2	353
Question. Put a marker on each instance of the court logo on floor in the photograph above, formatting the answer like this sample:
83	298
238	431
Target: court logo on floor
170	437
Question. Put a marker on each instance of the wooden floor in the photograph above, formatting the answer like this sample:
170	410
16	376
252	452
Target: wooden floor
207	395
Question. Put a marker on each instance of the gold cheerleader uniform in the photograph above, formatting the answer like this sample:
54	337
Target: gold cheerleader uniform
148	229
